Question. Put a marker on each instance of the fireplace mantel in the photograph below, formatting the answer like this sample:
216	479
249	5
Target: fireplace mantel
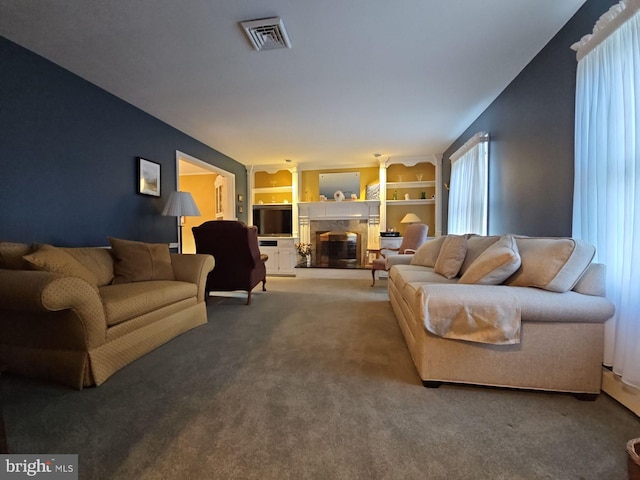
345	210
367	210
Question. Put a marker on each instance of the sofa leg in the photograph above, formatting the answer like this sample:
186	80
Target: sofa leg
431	384
585	397
373	276
249	297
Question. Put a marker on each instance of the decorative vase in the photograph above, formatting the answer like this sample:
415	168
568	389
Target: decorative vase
308	258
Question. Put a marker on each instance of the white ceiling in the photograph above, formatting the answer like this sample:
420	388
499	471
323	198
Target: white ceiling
402	78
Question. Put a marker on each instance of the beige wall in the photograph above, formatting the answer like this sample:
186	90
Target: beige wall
202	189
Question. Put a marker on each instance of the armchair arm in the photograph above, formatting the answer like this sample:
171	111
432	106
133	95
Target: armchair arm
194	269
388	249
401	259
40	292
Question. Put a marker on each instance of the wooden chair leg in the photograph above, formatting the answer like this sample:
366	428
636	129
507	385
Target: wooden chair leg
264	284
249	298
373	276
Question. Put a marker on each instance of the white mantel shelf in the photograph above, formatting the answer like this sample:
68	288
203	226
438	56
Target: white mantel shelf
345	210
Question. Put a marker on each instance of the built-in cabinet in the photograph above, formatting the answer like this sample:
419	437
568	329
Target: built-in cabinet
410	185
282	255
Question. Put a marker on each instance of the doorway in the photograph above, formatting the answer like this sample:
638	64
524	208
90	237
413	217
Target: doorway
212	188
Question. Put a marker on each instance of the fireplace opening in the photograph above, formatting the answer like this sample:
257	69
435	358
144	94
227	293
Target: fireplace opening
337	249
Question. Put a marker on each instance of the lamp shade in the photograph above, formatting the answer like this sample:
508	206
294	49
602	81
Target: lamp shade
181	204
410	218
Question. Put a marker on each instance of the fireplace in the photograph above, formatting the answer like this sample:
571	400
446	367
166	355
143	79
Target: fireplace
338	249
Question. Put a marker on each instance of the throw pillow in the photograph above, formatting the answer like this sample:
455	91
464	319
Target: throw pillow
555	264
451	256
51	259
427	253
139	262
495	264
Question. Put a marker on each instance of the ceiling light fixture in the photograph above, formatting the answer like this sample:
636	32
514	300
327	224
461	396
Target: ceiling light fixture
266	33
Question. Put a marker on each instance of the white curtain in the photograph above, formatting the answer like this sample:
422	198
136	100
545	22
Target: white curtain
468	190
607	172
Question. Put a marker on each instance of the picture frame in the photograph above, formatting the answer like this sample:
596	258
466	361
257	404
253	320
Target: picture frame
148	177
240	198
240	209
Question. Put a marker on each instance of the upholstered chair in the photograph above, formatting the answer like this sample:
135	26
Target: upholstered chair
239	263
414	236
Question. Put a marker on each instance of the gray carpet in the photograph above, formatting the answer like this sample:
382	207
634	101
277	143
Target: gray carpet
312	381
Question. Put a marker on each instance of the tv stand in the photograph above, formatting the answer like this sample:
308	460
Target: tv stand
282	254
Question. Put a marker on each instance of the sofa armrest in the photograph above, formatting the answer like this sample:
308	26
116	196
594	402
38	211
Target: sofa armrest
40	292
400	259
193	268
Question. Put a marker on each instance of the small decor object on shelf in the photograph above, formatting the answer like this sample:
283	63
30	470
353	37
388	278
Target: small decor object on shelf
395	194
423	195
304	250
419	177
338	196
354	196
406	196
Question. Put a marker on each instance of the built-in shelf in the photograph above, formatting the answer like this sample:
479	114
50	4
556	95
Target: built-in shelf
258	204
422	184
416	201
284	189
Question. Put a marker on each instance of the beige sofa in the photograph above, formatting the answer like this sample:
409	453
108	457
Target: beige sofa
450	305
77	315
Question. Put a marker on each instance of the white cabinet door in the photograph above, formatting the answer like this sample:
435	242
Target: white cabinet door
272	263
287	261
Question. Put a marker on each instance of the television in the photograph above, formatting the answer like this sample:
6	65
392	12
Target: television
273	220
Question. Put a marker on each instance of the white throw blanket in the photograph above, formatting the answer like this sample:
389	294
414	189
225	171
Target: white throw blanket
475	313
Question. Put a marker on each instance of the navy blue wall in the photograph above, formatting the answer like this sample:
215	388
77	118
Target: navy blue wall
68	158
531	125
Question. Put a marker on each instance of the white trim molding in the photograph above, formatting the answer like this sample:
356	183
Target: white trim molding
606	24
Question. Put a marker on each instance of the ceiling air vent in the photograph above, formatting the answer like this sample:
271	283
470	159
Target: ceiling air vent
266	33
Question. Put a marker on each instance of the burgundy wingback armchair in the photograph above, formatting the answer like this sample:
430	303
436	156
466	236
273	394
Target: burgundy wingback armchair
239	264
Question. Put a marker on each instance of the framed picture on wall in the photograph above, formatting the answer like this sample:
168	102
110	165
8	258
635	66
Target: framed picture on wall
148	177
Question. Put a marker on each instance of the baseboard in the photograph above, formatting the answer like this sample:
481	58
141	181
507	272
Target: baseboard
624	394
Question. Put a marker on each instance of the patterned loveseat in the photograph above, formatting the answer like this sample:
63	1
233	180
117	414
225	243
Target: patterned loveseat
77	315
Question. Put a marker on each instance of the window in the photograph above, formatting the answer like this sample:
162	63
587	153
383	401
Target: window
468	193
606	210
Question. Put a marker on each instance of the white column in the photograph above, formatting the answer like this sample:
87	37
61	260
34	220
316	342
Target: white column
295	193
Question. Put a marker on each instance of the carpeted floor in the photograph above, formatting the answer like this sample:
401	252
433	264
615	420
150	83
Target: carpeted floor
312	381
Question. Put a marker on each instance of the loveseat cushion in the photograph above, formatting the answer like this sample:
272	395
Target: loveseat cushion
451	256
427	253
55	260
554	264
11	254
97	260
495	264
140	262
125	301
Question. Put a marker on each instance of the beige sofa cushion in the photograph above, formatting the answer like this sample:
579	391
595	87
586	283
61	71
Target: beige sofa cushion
97	260
55	260
451	256
123	302
554	264
11	255
427	253
495	264
139	262
476	244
